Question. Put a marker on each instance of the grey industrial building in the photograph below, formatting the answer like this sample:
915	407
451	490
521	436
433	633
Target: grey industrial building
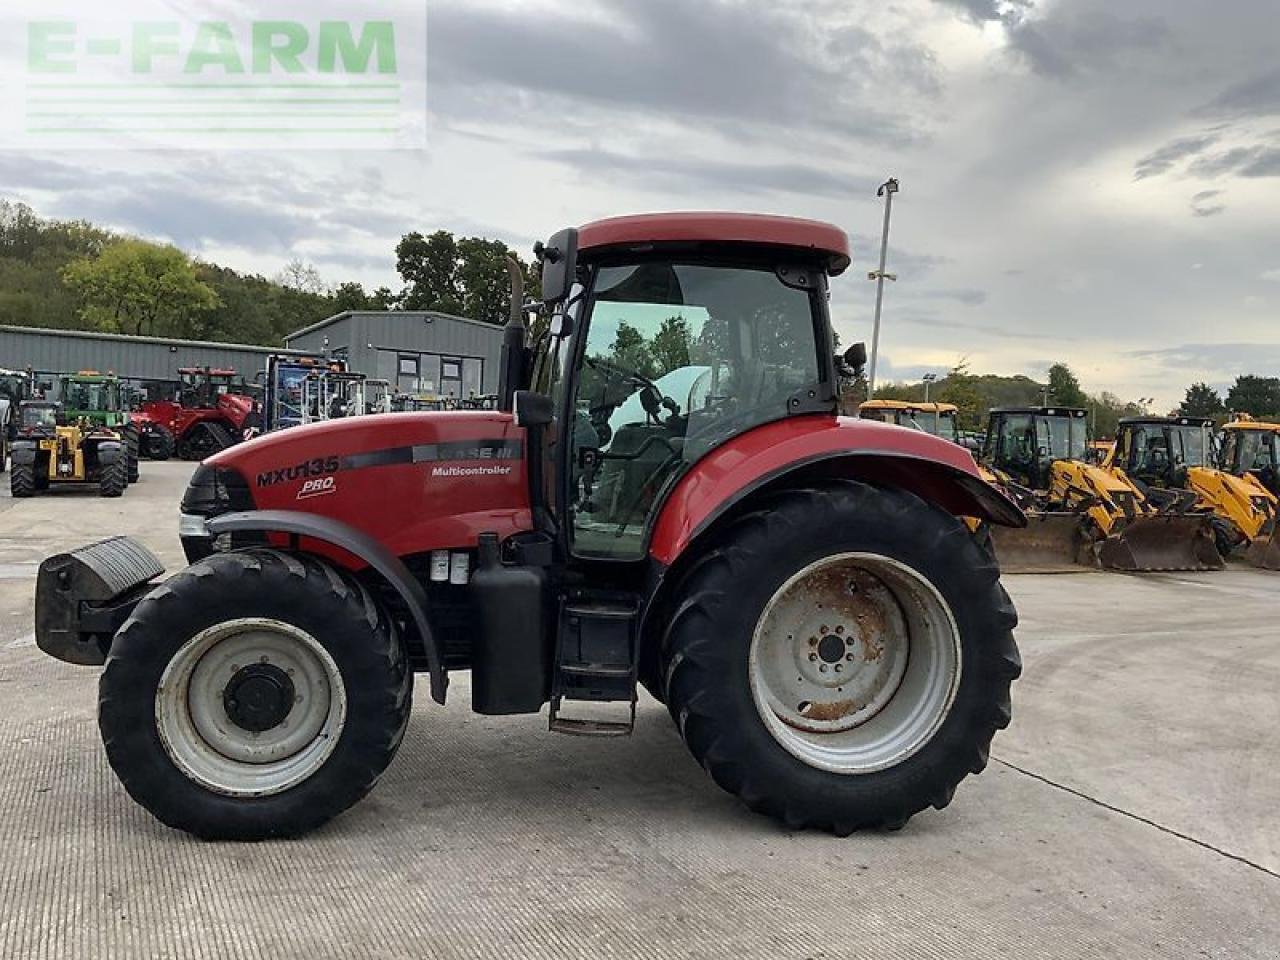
133	358
419	352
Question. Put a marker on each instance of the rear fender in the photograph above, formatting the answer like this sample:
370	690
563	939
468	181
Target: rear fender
23	452
803	449
109	452
359	545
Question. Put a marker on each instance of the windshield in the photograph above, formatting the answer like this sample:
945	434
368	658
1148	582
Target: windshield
39	416
1250	450
12	386
83	395
678	358
1063	438
1192	446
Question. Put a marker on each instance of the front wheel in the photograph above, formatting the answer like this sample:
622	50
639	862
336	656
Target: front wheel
865	672
255	694
114	479
22	480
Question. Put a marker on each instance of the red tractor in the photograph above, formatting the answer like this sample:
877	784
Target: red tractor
665	497
205	415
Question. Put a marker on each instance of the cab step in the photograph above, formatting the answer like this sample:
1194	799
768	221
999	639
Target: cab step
596	662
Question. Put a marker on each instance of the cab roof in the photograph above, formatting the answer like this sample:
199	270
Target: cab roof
1166	421
829	242
1259	425
1043	411
929	407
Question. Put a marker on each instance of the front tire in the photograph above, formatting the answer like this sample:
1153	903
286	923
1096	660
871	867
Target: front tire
256	694
114	479
841	658
22	480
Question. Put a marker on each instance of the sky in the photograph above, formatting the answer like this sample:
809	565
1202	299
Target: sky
1082	180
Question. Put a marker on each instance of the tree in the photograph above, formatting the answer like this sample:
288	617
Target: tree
1064	388
467	277
630	352
1254	395
350	297
671	345
141	288
960	388
302	277
1201	400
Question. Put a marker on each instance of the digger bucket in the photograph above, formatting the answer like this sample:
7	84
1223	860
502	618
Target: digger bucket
1049	543
1264	552
1159	543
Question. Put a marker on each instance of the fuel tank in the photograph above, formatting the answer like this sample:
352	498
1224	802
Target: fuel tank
414	481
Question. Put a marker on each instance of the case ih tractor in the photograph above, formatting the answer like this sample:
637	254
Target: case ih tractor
664	497
208	414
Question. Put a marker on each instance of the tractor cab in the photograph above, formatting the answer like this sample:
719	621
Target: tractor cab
39	417
96	397
1158	451
1024	442
1253	447
939	419
200	387
661	348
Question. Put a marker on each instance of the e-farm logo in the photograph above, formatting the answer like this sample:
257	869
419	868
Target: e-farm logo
203	80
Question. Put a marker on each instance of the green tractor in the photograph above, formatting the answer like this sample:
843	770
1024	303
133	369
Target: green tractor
99	399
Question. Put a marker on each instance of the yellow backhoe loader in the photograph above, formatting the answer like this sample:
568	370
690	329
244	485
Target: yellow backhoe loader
1252	448
1081	514
1172	456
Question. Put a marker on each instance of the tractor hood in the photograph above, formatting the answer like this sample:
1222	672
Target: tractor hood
414	481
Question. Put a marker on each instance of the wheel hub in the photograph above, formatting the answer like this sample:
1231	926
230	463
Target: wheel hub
258	697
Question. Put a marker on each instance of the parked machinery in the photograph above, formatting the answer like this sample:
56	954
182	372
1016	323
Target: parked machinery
939	419
1080	513
797	587
52	450
210	412
1252	448
291	391
99	399
1172	456
15	387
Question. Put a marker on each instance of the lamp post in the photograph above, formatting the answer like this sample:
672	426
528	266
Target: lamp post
928	379
886	190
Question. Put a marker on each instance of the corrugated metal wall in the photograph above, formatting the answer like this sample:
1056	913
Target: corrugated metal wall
140	358
367	336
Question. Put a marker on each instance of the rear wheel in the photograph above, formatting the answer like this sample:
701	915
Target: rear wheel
157	443
263	723
842	658
22	480
132	446
114	479
204	440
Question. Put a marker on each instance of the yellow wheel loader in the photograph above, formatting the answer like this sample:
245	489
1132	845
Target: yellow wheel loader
1173	456
1081	514
1251	448
49	450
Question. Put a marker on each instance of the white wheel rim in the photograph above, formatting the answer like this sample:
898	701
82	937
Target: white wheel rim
210	747
854	663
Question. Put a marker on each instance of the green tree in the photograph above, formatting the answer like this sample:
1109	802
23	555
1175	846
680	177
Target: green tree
672	345
1201	400
141	288
349	297
1257	396
630	351
467	277
429	268
960	388
1064	388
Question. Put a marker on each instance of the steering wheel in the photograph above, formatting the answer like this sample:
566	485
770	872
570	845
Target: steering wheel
651	396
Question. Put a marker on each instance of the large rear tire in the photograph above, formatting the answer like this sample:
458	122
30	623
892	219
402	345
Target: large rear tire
841	658
255	694
22	480
157	443
132	445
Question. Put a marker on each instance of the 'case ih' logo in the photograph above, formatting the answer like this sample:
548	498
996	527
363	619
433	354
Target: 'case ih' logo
318	487
308	468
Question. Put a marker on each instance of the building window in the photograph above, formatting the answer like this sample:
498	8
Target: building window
407	381
451	376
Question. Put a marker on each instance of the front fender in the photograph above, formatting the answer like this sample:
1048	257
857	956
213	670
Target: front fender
803	447
109	452
359	544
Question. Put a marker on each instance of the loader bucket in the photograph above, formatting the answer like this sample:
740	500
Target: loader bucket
1049	543
1264	552
1151	544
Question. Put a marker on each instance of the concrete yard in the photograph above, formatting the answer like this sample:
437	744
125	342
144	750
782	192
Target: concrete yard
1128	812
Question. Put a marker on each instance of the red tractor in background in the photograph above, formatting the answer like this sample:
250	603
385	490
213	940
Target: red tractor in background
205	415
664	497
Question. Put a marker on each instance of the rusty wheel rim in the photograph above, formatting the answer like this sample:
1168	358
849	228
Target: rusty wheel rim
854	663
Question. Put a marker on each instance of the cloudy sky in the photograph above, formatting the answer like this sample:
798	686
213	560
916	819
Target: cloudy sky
1082	180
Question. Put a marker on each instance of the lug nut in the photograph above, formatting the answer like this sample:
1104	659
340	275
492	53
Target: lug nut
813	656
849	657
823	668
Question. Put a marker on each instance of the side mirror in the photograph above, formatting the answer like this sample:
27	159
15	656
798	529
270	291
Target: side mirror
561	323
532	409
559	257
